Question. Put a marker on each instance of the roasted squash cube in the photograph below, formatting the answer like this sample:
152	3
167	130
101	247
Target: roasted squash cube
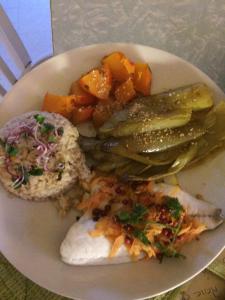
98	82
82	114
125	92
119	65
62	105
102	112
81	97
142	78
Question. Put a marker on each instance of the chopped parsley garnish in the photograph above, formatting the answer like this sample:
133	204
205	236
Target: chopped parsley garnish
135	216
52	139
24	174
139	234
11	150
174	229
60	131
178	255
39	118
139	211
124	216
168	251
36	171
47	127
174	206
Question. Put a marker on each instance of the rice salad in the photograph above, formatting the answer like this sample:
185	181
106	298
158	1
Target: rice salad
39	156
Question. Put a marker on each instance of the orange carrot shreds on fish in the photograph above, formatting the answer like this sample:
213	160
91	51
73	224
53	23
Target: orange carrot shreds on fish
148	219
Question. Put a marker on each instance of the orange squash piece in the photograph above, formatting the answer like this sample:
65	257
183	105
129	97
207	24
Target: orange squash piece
125	92
82	114
142	78
62	105
102	112
81	97
119	65
98	82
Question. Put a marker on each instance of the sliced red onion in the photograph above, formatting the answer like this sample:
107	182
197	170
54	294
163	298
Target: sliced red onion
45	149
46	168
12	139
40	148
51	146
16	135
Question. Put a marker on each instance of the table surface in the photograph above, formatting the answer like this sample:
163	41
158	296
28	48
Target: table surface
191	29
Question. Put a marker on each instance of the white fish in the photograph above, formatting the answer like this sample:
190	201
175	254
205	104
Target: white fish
79	248
205	212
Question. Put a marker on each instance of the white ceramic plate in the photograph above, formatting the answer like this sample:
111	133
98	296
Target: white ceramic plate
30	233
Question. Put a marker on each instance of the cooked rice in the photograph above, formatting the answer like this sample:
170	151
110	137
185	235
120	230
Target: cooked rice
67	150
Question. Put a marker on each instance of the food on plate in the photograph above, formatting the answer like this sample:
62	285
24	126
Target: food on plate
142	78
124	222
40	156
125	92
157	136
62	105
103	112
136	136
197	97
118	141
82	114
98	82
81	97
163	111
68	199
120	66
102	91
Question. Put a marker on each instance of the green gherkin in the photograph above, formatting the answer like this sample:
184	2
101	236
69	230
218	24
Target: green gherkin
162	111
158	136
196	97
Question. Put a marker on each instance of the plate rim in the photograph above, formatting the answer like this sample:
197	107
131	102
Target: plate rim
100	45
108	44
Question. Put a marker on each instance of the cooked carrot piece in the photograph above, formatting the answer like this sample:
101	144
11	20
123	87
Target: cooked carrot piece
125	92
98	82
142	78
116	245
81	97
119	65
82	114
62	105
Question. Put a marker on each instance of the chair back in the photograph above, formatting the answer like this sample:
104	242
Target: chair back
11	43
